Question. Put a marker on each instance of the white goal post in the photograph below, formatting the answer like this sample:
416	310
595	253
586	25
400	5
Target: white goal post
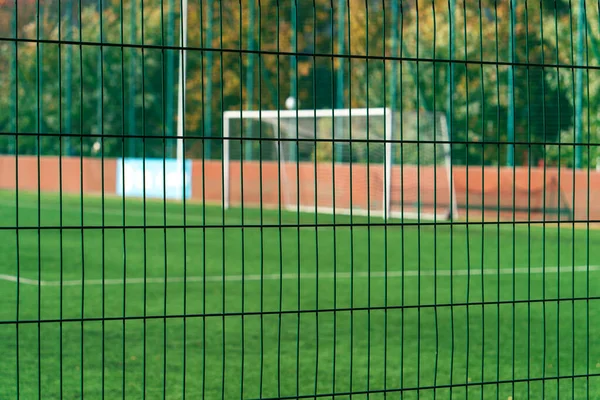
364	158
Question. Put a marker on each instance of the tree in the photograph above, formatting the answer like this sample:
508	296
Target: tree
479	106
100	98
543	97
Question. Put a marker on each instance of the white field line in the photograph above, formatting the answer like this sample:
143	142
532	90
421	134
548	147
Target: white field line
293	276
191	217
13	278
107	211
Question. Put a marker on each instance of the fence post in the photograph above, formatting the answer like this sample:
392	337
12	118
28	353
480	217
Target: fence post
132	124
13	82
250	79
169	112
209	61
339	100
293	73
99	63
393	80
69	62
510	156
450	72
40	78
579	84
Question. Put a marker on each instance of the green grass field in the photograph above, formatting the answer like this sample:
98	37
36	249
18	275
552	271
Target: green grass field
378	318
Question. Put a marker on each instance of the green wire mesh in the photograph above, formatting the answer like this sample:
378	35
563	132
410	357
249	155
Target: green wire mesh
268	199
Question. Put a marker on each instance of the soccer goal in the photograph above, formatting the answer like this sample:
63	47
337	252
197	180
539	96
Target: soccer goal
359	161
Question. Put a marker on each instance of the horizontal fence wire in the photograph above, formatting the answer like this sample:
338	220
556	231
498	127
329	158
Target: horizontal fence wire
191	137
296	312
261	199
437	60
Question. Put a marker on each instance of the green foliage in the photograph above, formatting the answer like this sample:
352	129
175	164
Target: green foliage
477	103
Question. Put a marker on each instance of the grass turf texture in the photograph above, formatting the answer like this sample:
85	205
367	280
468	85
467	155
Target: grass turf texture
405	331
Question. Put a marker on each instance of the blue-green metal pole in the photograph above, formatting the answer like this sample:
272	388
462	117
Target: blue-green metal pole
170	79
452	4
293	73
132	124
510	156
208	88
294	60
13	82
250	78
339	99
68	88
579	85
99	62
394	77
40	77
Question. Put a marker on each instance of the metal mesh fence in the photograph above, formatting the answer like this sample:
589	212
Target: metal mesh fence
428	233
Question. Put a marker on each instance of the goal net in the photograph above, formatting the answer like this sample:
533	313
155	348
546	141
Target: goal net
360	161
